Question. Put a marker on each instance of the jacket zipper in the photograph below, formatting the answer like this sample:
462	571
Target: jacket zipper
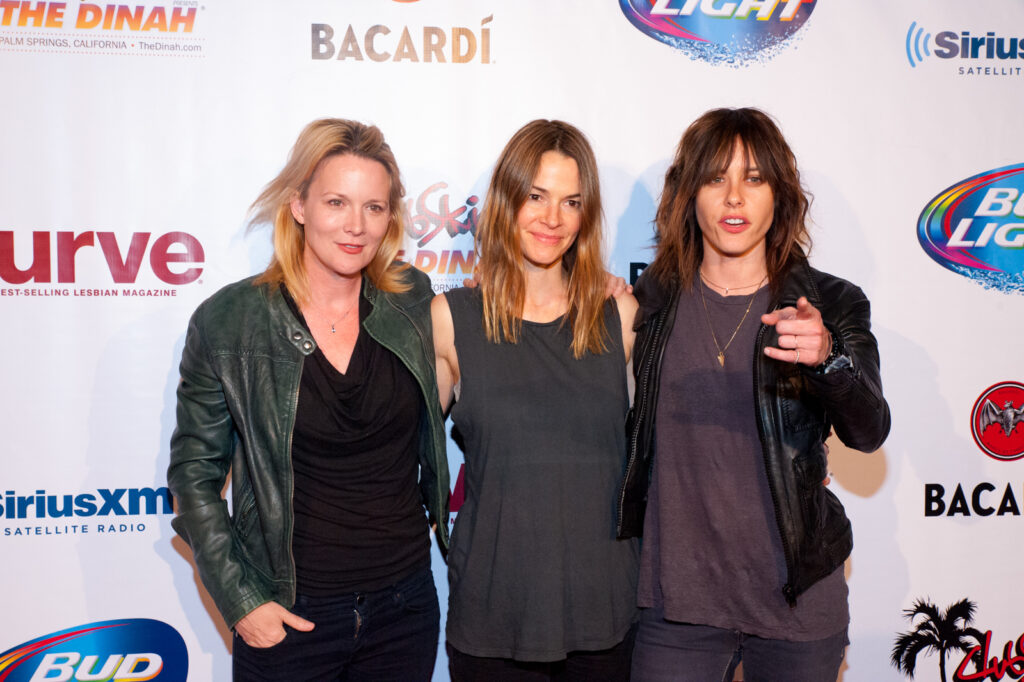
659	325
788	590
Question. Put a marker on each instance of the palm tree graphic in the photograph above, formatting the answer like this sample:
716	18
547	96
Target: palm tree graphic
937	630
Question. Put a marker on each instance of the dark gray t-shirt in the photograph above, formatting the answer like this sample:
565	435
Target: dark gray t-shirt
535	570
712	553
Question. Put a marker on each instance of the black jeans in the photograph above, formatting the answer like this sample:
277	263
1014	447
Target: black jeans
390	634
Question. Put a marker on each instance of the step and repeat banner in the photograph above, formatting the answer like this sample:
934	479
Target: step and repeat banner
133	137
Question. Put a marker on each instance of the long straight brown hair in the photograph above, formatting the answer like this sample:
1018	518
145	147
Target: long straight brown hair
704	151
318	141
501	265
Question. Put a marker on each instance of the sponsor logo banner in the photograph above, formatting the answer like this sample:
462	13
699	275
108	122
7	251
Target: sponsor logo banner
976	228
730	33
118	650
160	30
974	54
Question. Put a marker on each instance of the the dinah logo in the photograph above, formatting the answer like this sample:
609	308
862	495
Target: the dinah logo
976	228
94	28
988	54
948	632
731	33
997	421
131	649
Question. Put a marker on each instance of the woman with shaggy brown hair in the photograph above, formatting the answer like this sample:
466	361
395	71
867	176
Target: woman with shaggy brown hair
746	359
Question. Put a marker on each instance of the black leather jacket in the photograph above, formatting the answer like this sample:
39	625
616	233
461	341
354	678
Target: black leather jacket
795	407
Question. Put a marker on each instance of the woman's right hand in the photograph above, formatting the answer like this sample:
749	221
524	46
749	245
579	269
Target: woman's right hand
264	626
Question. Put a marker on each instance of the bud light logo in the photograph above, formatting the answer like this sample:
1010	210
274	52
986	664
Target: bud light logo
976	229
732	33
117	650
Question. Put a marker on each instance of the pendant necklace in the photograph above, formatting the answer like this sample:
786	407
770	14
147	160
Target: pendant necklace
707	316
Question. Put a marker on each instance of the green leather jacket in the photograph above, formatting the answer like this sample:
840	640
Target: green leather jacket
239	388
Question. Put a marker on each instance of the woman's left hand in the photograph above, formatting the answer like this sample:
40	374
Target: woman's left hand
803	338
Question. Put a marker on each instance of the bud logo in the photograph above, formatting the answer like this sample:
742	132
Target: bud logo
976	229
173	247
459	46
963	45
717	32
997	421
120	650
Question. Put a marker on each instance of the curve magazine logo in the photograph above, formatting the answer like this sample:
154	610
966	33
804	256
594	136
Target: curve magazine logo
950	634
112	650
174	259
976	229
988	54
997	421
101	28
730	33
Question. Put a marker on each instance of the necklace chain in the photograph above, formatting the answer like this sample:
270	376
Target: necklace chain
707	316
728	289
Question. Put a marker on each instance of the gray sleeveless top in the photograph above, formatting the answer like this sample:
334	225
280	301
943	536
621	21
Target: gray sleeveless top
534	569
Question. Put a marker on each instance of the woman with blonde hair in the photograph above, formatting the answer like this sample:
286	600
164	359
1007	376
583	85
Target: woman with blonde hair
313	384
535	358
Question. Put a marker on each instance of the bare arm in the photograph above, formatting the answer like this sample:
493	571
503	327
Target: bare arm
445	357
628	306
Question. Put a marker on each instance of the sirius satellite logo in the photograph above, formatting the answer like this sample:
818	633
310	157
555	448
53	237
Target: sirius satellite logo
976	229
731	33
986	55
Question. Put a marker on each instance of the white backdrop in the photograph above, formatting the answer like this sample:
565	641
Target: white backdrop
116	130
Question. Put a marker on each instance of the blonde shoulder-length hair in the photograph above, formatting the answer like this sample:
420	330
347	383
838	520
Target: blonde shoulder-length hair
501	265
318	141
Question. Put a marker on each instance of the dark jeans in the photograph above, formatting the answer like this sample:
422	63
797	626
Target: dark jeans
681	652
389	634
607	665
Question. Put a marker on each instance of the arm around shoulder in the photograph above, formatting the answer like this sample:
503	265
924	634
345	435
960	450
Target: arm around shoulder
446	359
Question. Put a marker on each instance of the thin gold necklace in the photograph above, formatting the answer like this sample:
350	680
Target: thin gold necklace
707	316
728	289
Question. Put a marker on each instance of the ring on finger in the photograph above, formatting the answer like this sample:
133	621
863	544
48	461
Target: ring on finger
797	356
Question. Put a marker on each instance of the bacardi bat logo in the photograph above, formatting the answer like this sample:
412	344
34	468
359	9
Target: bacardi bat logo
997	421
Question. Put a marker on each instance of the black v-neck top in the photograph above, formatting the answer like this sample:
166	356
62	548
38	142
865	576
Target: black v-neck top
359	519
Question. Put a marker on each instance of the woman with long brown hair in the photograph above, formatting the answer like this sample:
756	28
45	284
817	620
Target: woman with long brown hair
313	384
535	358
746	359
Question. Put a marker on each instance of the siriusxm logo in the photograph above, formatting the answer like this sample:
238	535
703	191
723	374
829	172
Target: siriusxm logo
976	228
103	502
920	45
717	32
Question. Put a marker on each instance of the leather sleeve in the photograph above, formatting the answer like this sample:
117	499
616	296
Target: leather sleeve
201	451
852	396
